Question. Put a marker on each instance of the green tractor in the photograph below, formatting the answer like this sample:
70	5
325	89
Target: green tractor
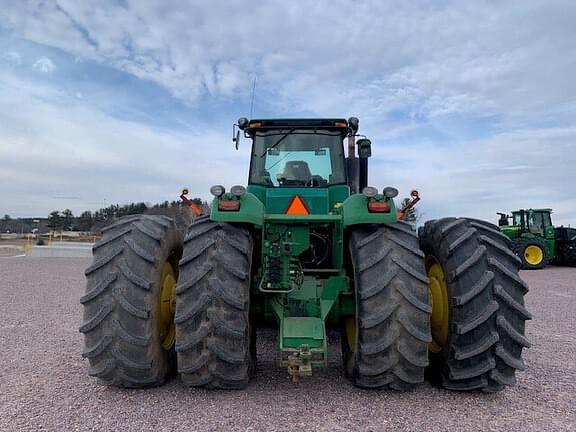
536	241
307	246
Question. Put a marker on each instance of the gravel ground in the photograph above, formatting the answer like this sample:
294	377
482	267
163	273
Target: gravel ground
44	385
10	250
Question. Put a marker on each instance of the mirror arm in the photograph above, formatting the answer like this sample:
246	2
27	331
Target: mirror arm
236	135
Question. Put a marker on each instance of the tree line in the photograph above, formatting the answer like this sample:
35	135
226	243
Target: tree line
93	221
16	225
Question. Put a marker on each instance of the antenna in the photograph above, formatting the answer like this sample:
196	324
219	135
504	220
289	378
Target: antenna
252	98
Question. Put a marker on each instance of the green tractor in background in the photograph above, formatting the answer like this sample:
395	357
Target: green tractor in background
536	241
307	246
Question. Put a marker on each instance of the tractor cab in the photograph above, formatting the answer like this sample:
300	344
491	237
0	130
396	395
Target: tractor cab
286	154
534	221
305	158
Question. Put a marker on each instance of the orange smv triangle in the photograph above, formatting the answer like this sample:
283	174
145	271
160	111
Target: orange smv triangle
297	207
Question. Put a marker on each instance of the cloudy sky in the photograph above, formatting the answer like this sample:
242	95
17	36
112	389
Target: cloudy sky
102	102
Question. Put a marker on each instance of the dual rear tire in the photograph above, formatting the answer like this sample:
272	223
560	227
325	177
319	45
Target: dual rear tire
453	299
387	344
129	300
450	305
139	323
215	342
478	330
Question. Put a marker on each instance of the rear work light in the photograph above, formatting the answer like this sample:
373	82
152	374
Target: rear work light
229	205
217	190
378	207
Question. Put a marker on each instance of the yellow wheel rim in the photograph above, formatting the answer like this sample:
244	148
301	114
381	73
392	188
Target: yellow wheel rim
351	333
533	255
439	319
167	307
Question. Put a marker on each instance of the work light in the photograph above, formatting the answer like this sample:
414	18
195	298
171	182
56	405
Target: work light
369	192
390	192
217	190
238	190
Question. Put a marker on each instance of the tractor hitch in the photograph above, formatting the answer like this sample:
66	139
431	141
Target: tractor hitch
300	363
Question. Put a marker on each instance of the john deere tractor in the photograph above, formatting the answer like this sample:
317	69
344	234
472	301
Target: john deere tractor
536	241
307	246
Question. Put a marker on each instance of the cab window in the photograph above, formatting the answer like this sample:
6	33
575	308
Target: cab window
297	158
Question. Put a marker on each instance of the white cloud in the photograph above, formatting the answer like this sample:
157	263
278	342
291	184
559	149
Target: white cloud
451	56
12	57
522	169
439	66
44	65
70	149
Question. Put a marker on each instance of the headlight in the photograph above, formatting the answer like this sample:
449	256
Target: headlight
217	190
390	192
238	190
370	192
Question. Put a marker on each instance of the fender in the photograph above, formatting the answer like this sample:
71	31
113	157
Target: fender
251	211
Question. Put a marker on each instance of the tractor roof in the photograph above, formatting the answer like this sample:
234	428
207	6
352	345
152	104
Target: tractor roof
549	210
332	123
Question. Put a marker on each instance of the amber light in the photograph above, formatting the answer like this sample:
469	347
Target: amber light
378	207
340	124
255	125
229	205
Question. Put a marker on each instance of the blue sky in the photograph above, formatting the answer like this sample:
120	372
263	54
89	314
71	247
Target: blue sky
473	103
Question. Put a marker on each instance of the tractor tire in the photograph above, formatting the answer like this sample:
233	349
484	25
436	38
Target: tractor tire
568	253
478	340
532	252
215	342
126	329
386	346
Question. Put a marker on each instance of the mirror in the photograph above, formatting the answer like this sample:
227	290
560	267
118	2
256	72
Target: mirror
236	139
364	148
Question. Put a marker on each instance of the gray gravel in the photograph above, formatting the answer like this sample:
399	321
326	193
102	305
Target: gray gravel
44	386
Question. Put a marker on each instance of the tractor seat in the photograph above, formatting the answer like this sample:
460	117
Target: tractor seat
296	171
